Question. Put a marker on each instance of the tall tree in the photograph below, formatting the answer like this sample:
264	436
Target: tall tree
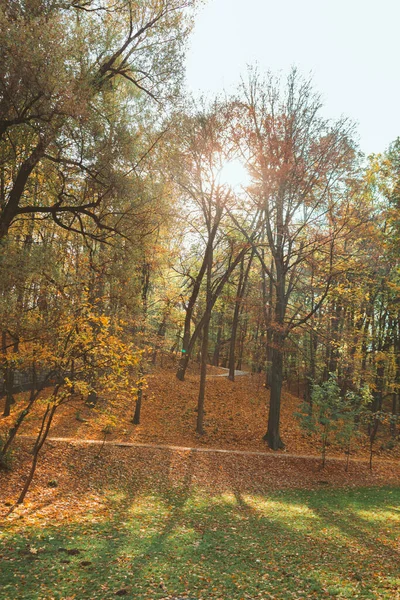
68	69
299	163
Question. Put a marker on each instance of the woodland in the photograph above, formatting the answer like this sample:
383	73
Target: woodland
184	276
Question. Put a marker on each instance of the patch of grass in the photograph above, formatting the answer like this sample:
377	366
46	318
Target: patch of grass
286	545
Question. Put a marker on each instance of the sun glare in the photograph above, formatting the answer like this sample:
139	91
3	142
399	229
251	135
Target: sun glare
234	174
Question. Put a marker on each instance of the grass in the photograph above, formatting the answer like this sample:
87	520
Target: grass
176	543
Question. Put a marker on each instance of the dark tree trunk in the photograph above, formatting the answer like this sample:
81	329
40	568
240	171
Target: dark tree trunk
242	338
244	274
267	310
310	378
41	438
231	361
273	435
11	209
34	393
235	323
218	341
364	347
334	351
9	377
141	370
186	342
204	346
268	358
138	405
203	374
372	437
183	365
139	396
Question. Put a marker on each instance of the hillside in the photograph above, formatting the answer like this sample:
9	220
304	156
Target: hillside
236	417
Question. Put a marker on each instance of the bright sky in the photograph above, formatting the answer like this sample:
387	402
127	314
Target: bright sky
351	48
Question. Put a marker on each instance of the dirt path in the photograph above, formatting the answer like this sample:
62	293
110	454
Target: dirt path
71	472
226	373
168	447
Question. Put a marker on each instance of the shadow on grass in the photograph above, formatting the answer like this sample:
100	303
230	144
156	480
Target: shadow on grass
178	542
155	535
341	512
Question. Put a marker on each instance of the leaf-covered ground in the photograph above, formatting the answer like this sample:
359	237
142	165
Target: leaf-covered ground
150	523
236	417
78	468
144	536
159	523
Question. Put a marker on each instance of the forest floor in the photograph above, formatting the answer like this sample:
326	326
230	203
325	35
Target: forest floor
166	446
147	525
155	521
236	418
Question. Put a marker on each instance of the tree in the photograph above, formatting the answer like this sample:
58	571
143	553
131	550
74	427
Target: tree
241	288
69	70
200	155
79	83
330	415
300	164
72	308
84	348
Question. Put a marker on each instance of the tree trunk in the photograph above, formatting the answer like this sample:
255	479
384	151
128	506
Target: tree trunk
9	377
204	346
242	338
41	438
146	271
184	360
235	323
238	305
334	351
187	347
273	436
11	209
379	387
267	311
310	378
203	373
138	404
372	436
218	342
34	393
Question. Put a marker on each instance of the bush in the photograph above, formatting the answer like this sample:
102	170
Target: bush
330	416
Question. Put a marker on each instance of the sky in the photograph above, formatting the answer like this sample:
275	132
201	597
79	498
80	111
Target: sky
351	48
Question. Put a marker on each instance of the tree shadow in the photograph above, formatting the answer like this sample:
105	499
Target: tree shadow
188	534
190	539
338	510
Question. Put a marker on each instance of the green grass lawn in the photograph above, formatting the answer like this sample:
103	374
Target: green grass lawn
298	544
